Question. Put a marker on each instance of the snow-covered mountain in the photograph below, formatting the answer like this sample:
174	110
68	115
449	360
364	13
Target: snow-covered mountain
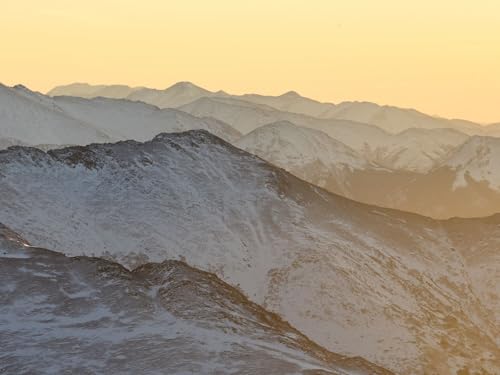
403	291
465	184
317	158
415	150
30	118
307	153
123	119
90	315
479	160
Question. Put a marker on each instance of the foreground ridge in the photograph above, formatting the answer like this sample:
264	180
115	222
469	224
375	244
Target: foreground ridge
160	317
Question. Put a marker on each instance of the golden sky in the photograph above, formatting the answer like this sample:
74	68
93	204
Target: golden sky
439	56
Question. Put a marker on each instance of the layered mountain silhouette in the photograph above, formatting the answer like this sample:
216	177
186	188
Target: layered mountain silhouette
389	118
33	119
407	170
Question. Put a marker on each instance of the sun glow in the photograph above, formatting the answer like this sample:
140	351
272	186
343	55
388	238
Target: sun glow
440	57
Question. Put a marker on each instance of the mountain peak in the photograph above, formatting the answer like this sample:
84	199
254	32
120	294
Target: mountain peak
291	94
186	86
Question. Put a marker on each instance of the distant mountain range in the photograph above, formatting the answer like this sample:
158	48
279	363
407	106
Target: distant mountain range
389	118
415	170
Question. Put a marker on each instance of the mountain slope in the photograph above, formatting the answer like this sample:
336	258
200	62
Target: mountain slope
307	153
31	118
466	184
89	315
479	159
415	150
124	119
34	119
398	289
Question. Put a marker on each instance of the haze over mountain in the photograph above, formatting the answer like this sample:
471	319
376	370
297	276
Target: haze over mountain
399	171
389	118
462	181
403	291
307	153
31	118
323	200
178	94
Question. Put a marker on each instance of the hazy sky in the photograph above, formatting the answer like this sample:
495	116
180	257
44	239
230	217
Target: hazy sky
439	56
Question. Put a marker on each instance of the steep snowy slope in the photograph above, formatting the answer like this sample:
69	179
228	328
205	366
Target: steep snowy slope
398	289
88	315
415	150
31	118
467	184
307	153
124	119
478	159
405	183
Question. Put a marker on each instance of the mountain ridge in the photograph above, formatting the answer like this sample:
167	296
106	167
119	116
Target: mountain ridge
315	108
167	305
344	273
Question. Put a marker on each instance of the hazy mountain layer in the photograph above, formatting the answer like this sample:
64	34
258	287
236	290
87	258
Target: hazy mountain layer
465	183
415	150
415	175
389	118
410	293
31	118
